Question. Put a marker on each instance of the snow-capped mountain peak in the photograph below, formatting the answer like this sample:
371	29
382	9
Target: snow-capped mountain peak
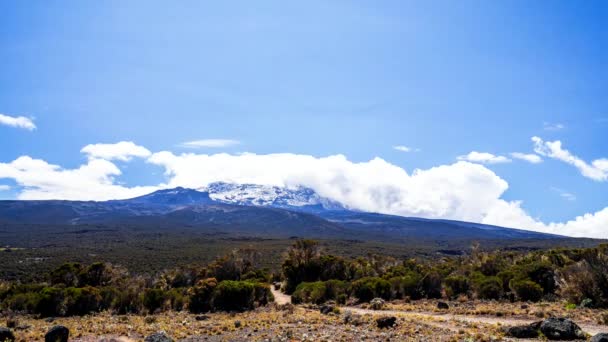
273	196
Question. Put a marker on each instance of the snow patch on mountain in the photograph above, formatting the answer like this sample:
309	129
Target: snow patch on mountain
273	196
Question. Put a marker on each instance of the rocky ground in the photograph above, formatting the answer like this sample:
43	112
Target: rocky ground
415	321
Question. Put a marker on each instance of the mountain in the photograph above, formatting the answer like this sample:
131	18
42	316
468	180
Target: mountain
172	197
298	198
252	210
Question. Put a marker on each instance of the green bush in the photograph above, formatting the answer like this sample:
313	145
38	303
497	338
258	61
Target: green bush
67	274
153	299
128	300
232	295
431	285
408	285
489	288
314	292
366	289
527	290
201	295
81	301
456	285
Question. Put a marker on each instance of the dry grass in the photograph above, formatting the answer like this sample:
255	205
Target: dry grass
299	324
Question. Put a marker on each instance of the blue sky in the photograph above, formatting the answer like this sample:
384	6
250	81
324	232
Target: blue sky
444	78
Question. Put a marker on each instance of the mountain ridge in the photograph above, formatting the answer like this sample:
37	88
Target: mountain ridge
252	209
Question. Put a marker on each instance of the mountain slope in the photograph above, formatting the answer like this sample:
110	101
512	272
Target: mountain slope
252	210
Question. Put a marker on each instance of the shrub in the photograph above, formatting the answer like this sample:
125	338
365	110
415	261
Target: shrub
176	298
49	302
527	290
366	289
153	299
201	295
407	285
587	279
302	264
489	288
67	274
128	300
314	292
457	285
231	295
431	285
337	290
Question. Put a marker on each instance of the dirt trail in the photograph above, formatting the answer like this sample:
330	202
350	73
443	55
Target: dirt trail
592	329
279	297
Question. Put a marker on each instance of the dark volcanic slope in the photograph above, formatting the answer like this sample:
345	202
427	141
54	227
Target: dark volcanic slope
181	207
390	226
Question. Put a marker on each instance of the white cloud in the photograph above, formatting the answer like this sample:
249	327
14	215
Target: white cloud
462	191
91	181
123	151
405	148
5	187
484	158
530	158
548	126
564	194
209	143
17	121
597	170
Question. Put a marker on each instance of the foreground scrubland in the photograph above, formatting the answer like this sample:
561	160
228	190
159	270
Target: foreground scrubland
471	297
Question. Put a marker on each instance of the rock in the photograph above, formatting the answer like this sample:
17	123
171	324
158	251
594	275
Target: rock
561	329
442	306
524	306
386	322
23	327
11	322
377	303
58	333
6	335
237	324
158	337
201	317
326	309
352	318
524	331
602	337
586	303
49	319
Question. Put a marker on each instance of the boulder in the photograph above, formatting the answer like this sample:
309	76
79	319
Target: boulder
377	303
326	309
352	318
6	335
201	317
561	329
442	306
386	322
58	333
158	337
524	331
602	337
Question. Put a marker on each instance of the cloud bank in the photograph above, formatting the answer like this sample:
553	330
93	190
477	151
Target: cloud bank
462	190
597	170
17	121
484	158
209	143
530	158
123	151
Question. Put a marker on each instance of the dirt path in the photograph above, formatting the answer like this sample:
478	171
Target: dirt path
592	329
279	297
